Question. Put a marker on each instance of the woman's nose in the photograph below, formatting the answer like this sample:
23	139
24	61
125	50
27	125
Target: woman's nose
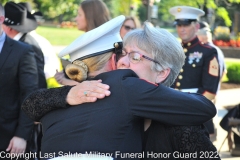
123	62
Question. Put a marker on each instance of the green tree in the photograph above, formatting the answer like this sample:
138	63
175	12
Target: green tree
59	10
123	7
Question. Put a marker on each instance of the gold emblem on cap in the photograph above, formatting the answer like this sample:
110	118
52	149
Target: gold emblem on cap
185	50
180	77
179	9
178	84
116	45
189	44
193	65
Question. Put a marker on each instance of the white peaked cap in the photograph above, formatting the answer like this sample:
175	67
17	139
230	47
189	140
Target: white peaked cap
95	42
186	12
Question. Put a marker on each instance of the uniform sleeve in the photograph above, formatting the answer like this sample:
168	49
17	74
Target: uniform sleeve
42	101
28	82
210	74
166	105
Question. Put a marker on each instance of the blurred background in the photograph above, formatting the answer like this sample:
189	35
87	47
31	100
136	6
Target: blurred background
222	15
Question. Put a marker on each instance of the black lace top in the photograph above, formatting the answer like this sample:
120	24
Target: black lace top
47	100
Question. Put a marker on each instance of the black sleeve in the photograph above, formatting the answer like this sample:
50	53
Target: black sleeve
28	82
40	102
165	104
209	80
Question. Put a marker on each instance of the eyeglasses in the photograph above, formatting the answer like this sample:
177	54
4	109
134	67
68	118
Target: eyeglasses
134	57
128	27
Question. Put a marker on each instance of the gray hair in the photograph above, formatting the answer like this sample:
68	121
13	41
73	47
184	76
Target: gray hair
205	32
163	47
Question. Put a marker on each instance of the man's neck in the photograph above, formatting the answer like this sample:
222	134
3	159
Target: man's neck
189	40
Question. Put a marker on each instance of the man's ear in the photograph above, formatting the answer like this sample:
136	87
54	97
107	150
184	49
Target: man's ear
113	62
162	75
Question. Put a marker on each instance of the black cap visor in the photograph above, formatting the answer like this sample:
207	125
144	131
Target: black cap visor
184	21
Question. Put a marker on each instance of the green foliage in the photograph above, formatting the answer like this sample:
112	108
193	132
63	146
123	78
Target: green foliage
234	1
66	10
222	12
58	9
233	72
59	36
123	7
142	13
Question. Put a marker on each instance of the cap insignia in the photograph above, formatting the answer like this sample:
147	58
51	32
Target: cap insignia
179	9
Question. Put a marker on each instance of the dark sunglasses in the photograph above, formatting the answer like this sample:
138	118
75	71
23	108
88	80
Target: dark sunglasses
128	27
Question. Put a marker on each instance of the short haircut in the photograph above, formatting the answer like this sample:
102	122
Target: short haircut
163	47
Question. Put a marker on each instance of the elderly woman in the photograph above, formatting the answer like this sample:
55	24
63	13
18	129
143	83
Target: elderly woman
113	126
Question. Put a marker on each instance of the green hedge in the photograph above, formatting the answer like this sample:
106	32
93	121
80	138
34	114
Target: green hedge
233	72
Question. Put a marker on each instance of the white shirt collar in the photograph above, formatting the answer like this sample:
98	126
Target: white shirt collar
18	36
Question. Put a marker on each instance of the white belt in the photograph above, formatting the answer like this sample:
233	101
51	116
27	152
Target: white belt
83	157
191	90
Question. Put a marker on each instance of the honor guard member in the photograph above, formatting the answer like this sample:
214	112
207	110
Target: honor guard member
200	73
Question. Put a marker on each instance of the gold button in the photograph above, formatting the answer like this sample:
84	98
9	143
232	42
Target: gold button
181	70
180	77
193	65
185	50
178	84
116	45
189	44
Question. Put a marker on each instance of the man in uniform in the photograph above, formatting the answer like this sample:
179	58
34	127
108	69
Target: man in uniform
200	73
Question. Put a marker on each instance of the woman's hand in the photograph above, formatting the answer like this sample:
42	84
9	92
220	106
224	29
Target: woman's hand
87	91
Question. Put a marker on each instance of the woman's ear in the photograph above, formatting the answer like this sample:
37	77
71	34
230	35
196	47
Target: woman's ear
113	62
162	75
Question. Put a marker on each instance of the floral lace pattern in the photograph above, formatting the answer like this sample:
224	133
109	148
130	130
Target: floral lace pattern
39	103
192	139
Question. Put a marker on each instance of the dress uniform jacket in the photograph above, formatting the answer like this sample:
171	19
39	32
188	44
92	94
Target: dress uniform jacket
201	68
18	78
114	123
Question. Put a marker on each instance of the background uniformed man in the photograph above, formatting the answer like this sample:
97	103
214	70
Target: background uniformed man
200	73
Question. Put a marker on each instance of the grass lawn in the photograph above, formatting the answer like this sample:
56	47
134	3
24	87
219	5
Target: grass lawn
59	36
